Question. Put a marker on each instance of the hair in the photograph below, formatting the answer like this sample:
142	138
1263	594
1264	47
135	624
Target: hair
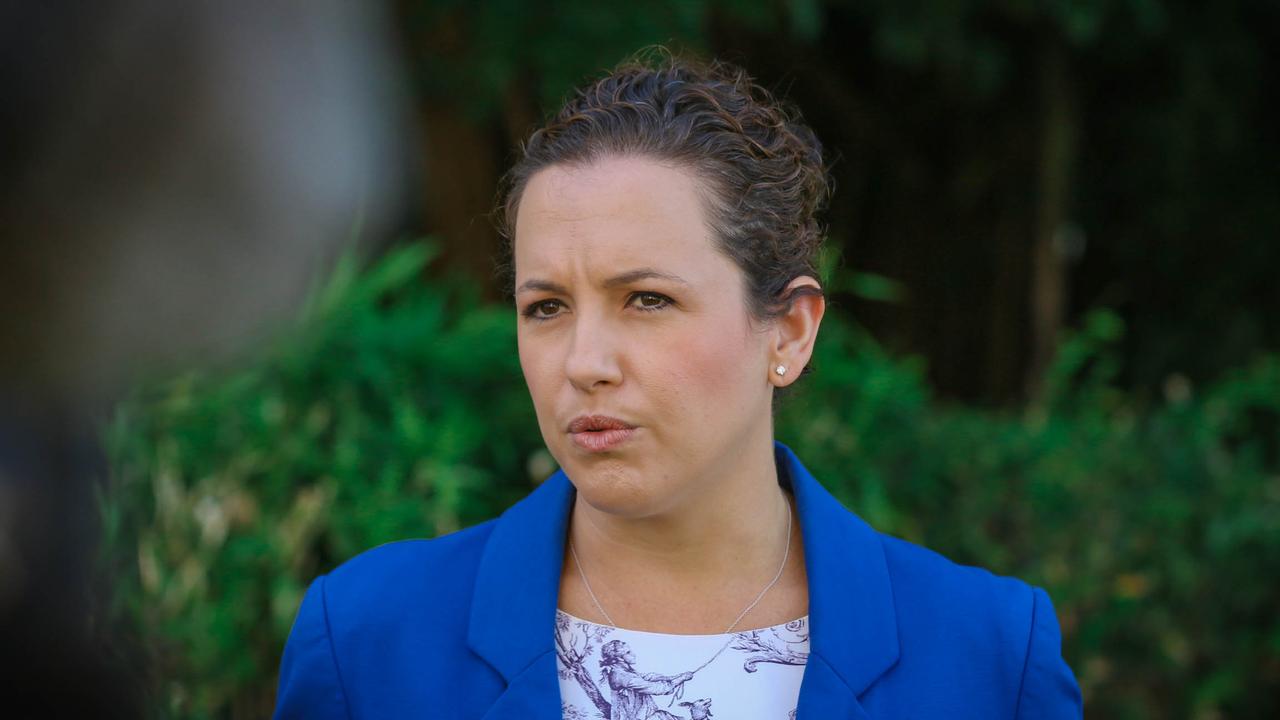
760	165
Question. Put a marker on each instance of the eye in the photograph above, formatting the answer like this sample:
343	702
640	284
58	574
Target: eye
542	310
651	301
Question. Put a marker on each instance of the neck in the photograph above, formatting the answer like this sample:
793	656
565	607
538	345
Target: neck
710	528
704	559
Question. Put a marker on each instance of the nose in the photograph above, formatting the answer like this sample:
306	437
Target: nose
592	361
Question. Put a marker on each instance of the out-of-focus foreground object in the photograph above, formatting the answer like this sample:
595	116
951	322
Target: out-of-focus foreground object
174	176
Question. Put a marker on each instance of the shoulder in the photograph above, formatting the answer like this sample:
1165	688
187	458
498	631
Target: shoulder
402	582
931	589
406	576
456	551
384	630
982	629
385	606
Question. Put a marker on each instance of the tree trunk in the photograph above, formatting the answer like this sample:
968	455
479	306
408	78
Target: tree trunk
1057	155
461	193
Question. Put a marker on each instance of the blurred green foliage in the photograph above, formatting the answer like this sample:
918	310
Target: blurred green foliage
375	421
397	409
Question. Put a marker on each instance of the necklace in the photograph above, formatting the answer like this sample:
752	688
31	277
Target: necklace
785	554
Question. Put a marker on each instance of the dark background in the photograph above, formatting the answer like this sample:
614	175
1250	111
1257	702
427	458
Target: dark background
1007	165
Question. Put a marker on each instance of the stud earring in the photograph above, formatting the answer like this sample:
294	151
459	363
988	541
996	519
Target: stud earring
781	370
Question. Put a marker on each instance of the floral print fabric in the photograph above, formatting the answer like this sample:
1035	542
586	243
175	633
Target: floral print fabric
610	673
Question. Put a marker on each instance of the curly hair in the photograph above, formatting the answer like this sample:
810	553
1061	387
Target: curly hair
761	165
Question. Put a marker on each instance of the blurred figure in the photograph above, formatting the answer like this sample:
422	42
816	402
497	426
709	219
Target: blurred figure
173	176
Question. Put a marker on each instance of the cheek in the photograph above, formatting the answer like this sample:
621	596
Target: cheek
537	365
709	370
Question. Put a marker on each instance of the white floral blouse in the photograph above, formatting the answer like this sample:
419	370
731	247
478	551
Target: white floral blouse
610	673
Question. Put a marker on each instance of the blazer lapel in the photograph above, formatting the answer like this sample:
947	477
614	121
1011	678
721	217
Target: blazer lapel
534	693
824	694
512	624
853	625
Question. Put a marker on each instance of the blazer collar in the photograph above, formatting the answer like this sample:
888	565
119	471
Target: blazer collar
854	630
853	627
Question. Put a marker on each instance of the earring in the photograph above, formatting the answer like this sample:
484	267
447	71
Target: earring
781	370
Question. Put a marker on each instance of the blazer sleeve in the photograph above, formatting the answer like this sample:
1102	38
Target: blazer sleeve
310	681
1049	690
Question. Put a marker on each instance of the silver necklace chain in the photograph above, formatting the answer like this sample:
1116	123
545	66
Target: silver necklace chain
785	554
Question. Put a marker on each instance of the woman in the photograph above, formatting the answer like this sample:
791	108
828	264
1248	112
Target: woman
663	238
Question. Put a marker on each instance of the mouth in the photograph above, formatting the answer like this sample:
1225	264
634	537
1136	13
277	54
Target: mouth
598	423
600	433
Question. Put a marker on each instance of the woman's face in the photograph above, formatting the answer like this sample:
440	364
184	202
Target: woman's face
627	310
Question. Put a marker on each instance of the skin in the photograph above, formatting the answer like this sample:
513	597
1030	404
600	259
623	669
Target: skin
679	528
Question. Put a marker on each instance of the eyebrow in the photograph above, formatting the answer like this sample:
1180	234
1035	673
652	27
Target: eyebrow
625	278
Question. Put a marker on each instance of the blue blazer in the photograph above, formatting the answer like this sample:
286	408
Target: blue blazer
463	626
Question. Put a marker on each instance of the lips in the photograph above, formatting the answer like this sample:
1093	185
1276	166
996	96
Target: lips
597	423
599	433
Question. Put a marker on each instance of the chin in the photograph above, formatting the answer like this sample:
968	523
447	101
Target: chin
615	490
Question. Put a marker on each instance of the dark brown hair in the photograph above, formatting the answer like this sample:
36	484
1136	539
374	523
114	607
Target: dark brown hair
761	164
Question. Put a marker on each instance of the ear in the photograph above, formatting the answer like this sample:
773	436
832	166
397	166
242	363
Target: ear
795	332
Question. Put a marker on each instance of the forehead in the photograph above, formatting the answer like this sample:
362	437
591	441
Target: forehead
614	211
